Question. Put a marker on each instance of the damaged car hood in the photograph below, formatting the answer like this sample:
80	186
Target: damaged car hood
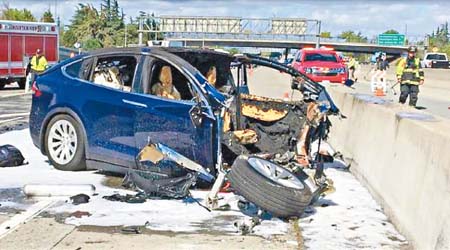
313	89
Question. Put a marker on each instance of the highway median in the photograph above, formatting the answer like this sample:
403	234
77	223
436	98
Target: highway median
402	155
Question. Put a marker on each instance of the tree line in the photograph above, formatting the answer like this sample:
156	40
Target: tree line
108	26
440	39
93	28
13	14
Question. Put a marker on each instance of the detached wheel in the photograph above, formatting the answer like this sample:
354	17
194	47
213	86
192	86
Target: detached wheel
270	186
64	144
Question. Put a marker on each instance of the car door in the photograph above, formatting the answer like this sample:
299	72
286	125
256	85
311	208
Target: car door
168	121
108	117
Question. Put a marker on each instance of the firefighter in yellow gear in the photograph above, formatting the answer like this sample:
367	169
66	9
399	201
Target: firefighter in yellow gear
352	63
38	62
410	75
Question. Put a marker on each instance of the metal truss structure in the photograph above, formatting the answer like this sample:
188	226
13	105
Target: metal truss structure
235	28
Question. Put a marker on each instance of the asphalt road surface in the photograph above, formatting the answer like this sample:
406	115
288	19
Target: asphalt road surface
14	109
434	96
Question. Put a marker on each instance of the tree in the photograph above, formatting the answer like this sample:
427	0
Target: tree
351	36
325	34
12	14
234	51
47	17
86	25
96	29
391	31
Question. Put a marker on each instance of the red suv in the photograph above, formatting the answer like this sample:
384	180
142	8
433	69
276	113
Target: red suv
321	65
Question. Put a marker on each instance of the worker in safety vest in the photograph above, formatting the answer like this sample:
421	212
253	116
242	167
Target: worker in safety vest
352	63
36	65
38	62
410	75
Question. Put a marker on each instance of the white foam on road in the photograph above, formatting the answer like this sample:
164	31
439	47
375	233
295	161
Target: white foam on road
352	219
167	215
38	171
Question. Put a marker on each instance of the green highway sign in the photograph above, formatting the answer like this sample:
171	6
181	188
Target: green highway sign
391	39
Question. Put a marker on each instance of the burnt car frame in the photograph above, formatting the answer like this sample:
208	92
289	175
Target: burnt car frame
81	123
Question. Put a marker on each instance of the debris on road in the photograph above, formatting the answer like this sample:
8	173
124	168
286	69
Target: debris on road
129	198
245	226
79	199
131	230
10	156
80	214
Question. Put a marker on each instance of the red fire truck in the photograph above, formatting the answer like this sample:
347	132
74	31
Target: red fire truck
19	42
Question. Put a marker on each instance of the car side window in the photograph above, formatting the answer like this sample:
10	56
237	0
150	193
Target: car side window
115	72
166	81
80	69
299	57
73	70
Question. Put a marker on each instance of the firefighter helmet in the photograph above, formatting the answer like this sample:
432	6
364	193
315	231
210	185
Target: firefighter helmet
412	49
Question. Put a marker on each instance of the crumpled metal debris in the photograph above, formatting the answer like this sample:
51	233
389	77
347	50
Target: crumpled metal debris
137	198
245	226
154	185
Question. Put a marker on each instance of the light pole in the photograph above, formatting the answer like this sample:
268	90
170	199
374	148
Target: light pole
318	34
141	27
126	34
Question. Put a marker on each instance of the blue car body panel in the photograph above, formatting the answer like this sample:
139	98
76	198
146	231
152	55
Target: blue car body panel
118	124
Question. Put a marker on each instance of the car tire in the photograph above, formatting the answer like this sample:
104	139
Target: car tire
65	144
284	201
2	85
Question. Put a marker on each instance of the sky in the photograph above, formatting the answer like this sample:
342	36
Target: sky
415	18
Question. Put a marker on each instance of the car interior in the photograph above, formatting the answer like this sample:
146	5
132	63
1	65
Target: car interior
204	61
115	72
179	82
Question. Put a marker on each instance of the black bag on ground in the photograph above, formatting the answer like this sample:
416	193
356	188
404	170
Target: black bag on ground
10	156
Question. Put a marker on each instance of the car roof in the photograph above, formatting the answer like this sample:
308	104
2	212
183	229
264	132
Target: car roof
167	52
154	49
319	51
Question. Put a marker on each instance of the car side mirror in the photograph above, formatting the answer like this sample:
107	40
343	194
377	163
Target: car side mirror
196	115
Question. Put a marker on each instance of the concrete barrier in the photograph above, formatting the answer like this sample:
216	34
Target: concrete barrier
403	156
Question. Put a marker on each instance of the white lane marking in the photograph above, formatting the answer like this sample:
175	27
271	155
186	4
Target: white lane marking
35	209
13	115
12	95
11	120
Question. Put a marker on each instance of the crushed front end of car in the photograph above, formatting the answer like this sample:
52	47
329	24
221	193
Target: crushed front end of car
263	145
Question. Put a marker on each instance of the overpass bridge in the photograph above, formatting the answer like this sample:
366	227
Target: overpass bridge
286	44
286	33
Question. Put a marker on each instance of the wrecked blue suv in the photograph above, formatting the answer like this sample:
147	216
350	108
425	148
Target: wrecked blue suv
112	109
